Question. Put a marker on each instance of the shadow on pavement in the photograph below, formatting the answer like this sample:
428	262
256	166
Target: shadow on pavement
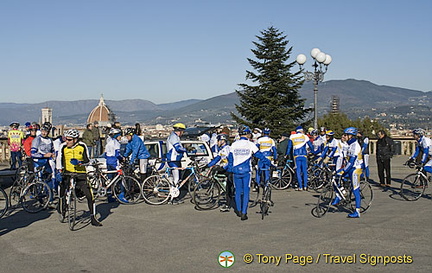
16	219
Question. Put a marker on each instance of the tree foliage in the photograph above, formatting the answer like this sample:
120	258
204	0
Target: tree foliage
272	100
339	121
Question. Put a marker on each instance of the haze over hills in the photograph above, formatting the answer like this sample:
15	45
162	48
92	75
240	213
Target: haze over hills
358	98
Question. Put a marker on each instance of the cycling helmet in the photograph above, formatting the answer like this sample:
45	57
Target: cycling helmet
322	129
179	127
114	131
419	131
244	130
330	133
46	126
129	131
258	130
14	125
266	131
299	129
351	131
314	132
222	137
73	133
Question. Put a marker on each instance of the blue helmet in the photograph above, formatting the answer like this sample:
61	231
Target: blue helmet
266	131
244	130
299	129
351	131
419	131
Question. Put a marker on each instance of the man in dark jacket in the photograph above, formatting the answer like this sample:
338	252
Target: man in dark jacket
385	151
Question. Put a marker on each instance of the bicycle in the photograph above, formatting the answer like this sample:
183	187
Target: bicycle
67	207
126	189
31	192
265	200
414	185
4	202
209	192
344	189
283	176
158	189
319	175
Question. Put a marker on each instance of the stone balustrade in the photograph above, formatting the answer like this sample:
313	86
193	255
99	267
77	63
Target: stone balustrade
403	146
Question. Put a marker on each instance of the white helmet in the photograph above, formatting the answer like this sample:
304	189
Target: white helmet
73	133
114	131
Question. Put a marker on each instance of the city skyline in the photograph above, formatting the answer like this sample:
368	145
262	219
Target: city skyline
171	51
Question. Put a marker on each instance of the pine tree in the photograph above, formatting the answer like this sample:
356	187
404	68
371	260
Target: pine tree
273	101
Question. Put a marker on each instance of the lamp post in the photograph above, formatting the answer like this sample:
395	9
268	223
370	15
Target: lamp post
321	62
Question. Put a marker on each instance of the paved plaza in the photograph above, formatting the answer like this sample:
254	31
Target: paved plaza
178	238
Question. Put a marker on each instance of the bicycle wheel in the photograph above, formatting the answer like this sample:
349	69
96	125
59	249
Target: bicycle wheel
283	179
265	202
62	210
366	195
156	190
4	202
254	195
127	189
412	187
35	197
207	194
71	209
324	201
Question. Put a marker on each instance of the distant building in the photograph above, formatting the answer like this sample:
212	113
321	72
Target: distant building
102	114
46	115
335	104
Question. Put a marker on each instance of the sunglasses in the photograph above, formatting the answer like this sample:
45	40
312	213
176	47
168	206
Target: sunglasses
69	139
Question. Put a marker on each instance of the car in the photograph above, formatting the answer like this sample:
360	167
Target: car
157	148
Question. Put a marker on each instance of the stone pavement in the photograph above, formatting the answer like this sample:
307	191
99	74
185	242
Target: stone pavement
167	238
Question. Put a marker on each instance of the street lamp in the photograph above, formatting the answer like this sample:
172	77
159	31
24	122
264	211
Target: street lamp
321	62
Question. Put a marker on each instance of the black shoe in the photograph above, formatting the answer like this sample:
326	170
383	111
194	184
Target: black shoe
224	208
177	202
95	222
238	213
244	217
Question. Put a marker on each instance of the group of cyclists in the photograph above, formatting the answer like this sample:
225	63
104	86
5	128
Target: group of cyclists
65	155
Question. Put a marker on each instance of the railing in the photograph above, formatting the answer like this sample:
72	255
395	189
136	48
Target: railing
402	147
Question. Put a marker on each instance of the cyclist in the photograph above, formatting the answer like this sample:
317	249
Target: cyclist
175	152
221	160
43	154
71	152
267	146
113	156
353	169
27	146
424	145
364	143
137	150
299	142
15	139
332	150
239	163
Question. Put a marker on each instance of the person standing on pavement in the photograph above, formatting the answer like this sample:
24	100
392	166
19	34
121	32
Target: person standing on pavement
87	138
385	151
15	141
96	139
239	163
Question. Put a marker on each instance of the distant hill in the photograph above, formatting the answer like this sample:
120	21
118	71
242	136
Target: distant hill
358	98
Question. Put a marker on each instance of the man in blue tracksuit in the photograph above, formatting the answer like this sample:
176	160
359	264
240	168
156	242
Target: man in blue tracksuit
239	163
353	169
267	146
299	143
137	150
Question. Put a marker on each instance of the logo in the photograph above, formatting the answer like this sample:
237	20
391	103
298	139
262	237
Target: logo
226	259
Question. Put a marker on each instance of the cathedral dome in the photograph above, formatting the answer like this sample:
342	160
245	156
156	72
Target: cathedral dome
101	113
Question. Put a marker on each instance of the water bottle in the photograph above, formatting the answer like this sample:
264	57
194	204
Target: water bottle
343	191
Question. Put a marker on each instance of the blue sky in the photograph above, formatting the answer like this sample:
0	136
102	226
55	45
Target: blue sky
166	51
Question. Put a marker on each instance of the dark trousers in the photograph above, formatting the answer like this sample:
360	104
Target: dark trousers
384	166
82	185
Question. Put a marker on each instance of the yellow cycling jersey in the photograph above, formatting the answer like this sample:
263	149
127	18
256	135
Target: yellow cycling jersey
78	151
